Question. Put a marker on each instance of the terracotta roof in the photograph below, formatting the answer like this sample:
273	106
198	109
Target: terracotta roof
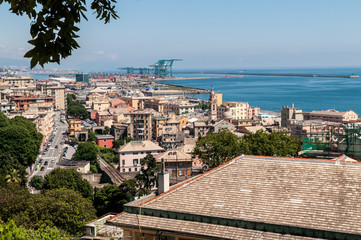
304	196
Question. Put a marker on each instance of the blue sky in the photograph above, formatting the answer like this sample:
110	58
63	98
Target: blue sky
209	34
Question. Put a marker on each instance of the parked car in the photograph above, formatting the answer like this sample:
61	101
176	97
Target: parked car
46	163
42	168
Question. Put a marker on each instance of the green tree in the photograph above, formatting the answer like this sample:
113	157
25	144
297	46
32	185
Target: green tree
70	97
37	182
53	25
112	198
11	167
118	143
63	208
67	178
91	136
13	200
20	139
106	130
217	148
11	231
147	177
77	110
14	176
86	151
280	144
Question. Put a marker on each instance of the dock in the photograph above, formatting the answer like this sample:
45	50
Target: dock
274	74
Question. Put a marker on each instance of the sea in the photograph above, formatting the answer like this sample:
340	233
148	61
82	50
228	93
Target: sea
272	92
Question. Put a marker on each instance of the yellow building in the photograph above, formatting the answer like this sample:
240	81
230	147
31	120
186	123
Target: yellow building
239	110
219	99
157	126
135	102
74	125
100	105
58	92
182	122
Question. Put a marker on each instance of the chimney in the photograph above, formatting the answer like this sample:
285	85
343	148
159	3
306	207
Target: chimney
163	180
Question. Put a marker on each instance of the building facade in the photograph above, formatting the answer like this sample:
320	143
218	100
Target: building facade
131	154
140	125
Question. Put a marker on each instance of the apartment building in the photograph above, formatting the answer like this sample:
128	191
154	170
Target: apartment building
141	125
178	107
23	103
45	118
239	110
74	126
100	105
158	123
17	81
171	137
131	154
6	106
55	90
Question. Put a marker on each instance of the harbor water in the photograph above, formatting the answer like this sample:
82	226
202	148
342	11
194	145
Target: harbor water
272	92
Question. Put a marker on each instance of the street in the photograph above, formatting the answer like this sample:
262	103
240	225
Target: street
47	162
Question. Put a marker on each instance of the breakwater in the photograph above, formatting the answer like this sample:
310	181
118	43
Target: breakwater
275	74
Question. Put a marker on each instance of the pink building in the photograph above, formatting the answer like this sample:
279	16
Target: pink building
131	154
117	103
93	114
253	112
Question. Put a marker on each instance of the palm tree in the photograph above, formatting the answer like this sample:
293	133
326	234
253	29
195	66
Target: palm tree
13	177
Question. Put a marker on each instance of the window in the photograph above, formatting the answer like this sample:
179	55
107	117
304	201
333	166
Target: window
123	162
123	169
135	153
130	169
135	169
135	161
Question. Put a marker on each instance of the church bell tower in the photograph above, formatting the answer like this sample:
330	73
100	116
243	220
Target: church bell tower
212	111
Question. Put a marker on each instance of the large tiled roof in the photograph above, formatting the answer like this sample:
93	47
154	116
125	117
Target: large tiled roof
199	229
331	112
315	196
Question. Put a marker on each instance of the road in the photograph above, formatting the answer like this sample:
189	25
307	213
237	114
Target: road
55	149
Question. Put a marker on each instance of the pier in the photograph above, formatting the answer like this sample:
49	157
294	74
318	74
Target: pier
274	74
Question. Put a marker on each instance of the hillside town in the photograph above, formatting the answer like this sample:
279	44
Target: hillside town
129	117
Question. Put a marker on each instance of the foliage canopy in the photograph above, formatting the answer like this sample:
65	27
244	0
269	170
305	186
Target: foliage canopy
112	198
11	231
67	178
53	28
20	139
217	148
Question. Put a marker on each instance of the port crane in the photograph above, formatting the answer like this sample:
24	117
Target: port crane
162	68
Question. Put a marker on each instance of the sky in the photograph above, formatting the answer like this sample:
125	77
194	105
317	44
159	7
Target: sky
207	34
